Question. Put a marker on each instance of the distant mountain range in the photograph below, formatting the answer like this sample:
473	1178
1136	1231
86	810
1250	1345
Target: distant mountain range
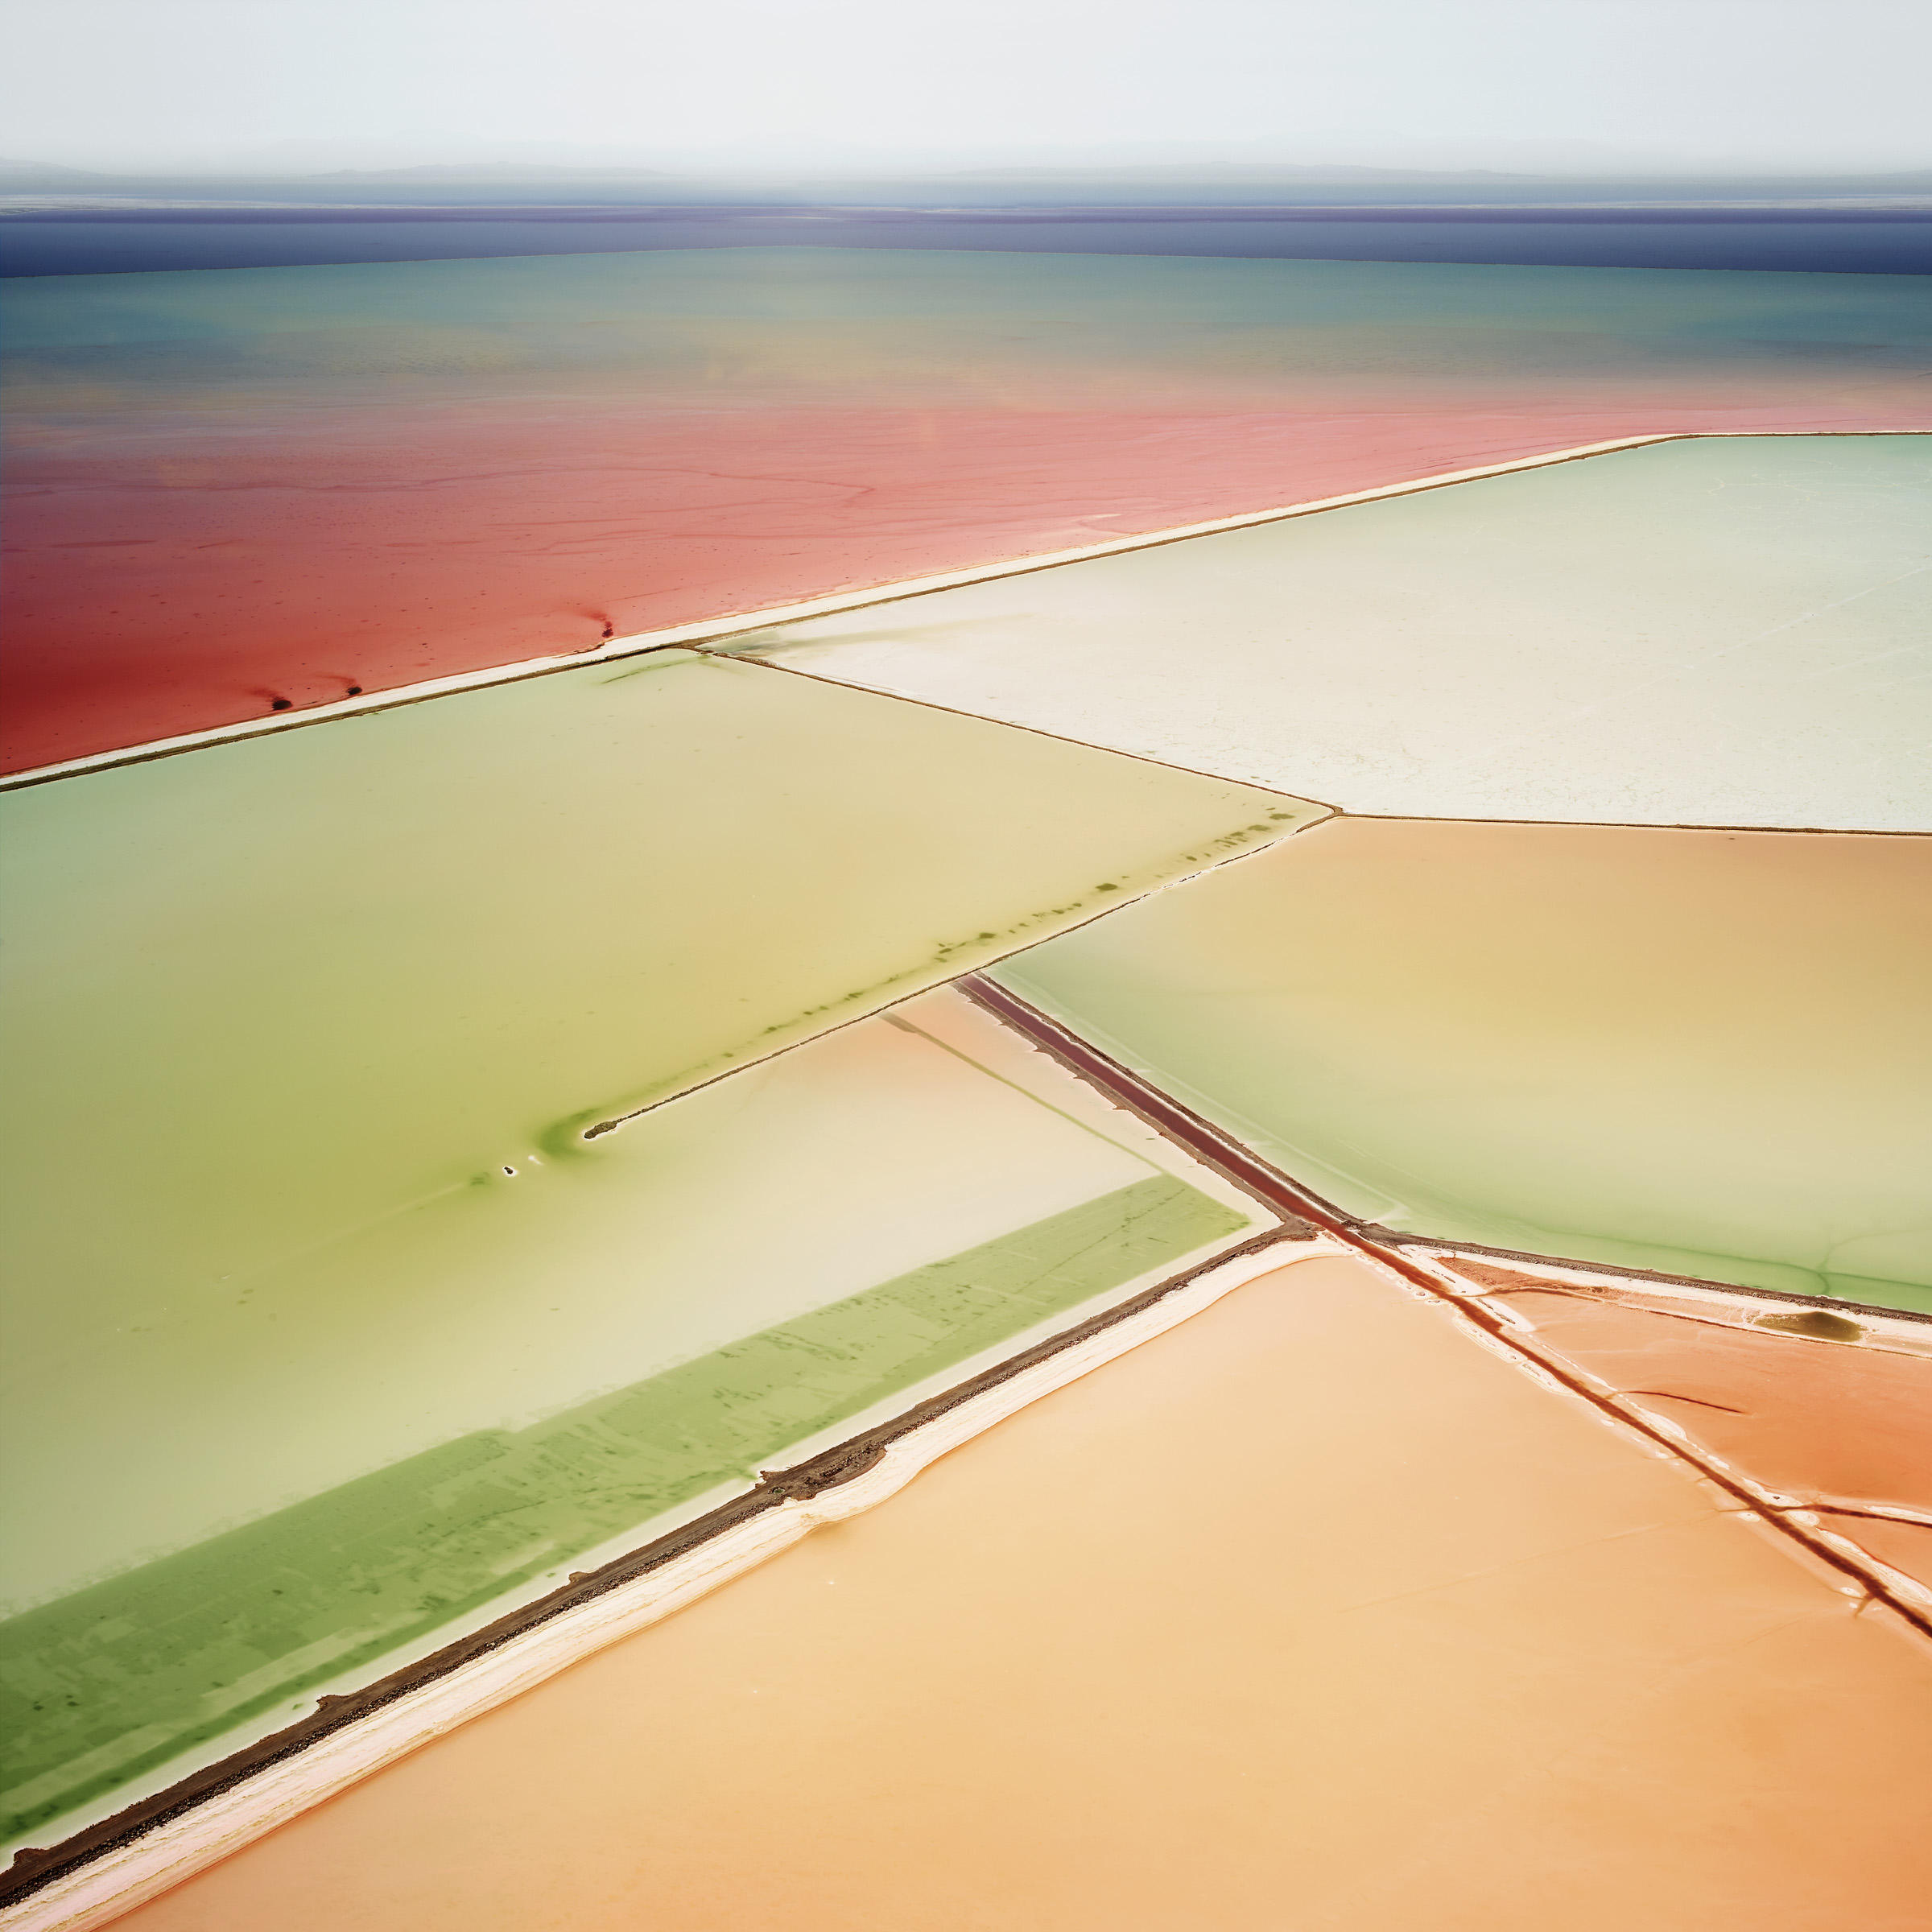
1256	185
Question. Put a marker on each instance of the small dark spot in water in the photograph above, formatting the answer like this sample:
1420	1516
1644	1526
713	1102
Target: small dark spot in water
610	630
355	690
989	935
282	705
1819	1323
1106	885
590	1133
511	1172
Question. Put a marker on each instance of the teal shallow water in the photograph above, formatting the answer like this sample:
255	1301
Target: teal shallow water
927	328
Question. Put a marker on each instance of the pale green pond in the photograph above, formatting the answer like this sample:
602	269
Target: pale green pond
1703	1053
265	997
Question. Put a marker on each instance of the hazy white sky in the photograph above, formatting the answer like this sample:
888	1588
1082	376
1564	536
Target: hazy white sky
1496	83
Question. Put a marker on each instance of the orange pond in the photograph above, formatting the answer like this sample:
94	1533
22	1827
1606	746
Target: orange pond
1311	1612
1827	1410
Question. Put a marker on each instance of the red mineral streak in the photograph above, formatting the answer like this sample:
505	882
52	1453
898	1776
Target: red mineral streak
1832	1425
168	573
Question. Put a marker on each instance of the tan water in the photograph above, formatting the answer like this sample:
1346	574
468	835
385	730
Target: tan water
1309	1613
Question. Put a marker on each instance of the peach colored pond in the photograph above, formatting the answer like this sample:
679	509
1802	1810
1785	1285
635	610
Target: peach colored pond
1205	1638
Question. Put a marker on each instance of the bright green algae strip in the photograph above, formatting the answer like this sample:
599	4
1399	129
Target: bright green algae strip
1698	1052
115	1679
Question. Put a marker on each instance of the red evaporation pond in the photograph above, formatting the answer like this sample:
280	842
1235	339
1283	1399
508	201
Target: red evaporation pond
205	574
